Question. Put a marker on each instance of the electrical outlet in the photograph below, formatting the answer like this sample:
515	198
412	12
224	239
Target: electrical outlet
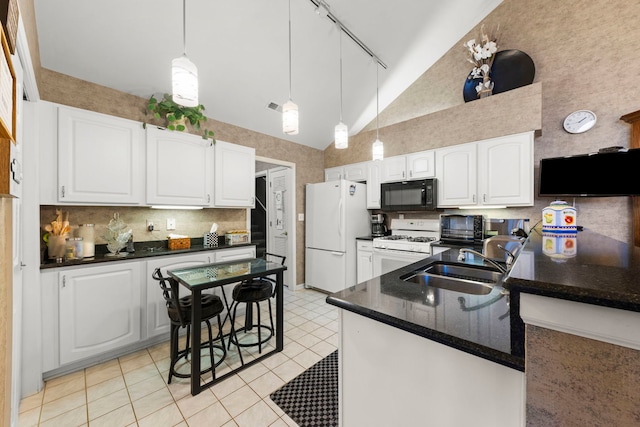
171	223
149	225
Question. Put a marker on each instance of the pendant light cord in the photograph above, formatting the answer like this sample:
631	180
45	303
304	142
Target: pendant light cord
377	102
184	27
340	40
289	50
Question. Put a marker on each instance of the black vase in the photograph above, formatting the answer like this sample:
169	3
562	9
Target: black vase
511	69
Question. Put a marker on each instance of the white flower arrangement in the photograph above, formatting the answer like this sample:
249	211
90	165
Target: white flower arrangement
481	55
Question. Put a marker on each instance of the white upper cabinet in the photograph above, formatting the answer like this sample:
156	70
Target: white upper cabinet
456	168
505	170
100	158
356	172
235	167
178	168
421	165
333	174
410	167
394	169
353	172
492	172
374	169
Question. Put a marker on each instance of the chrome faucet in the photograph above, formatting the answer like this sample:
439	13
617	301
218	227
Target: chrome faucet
463	251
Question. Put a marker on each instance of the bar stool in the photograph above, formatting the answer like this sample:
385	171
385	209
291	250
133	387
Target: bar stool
253	291
179	311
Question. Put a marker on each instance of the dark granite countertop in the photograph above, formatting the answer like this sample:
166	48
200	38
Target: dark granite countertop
481	325
365	238
585	267
142	250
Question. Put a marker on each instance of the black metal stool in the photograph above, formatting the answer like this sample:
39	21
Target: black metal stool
253	291
179	311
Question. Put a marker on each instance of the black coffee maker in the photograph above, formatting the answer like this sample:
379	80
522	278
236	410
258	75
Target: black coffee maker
378	228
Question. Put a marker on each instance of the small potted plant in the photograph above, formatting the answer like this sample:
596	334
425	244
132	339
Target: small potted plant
177	115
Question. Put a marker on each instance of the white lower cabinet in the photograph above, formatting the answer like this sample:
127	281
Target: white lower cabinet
157	320
365	260
91	311
99	309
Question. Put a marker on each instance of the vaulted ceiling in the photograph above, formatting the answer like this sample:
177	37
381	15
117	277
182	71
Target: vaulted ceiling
241	49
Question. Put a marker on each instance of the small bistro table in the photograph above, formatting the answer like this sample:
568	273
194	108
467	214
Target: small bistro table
207	276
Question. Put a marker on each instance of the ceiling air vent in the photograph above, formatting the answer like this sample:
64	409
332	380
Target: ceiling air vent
275	107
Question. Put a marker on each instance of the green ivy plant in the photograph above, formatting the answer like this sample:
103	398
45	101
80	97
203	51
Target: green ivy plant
176	114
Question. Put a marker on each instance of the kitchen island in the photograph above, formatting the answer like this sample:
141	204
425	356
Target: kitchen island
408	351
476	359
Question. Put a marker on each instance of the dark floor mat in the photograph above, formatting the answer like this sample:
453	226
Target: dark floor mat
311	398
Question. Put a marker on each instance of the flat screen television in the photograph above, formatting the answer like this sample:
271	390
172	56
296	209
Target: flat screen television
598	174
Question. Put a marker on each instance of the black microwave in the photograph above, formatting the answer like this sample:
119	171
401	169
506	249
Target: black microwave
407	196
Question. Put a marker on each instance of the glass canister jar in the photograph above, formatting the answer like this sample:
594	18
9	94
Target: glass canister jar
86	231
74	249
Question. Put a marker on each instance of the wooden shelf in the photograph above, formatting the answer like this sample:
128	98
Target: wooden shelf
634	120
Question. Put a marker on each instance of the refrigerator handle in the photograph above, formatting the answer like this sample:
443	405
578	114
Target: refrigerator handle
337	253
340	217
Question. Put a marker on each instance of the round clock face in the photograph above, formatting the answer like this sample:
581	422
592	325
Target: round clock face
579	121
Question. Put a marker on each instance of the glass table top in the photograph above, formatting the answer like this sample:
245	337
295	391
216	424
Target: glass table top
225	272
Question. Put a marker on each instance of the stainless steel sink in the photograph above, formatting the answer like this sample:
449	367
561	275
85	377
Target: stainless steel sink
467	279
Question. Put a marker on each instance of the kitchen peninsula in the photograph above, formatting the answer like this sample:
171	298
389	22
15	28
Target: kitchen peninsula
474	353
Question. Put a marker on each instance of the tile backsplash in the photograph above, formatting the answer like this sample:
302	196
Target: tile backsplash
192	223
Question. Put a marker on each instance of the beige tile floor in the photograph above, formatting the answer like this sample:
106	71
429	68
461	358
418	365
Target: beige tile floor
132	390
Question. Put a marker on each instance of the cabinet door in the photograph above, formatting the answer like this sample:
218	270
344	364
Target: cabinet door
244	252
394	169
365	261
374	169
157	319
505	170
178	168
456	171
235	167
356	172
333	174
100	158
99	309
421	165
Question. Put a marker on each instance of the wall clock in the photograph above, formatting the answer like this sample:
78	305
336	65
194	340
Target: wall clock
579	121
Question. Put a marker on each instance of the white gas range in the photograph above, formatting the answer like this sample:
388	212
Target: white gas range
410	241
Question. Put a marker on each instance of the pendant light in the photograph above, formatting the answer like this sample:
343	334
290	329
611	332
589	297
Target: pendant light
184	74
341	131
290	109
378	147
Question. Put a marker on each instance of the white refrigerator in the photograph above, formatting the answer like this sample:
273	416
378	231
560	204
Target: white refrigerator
336	214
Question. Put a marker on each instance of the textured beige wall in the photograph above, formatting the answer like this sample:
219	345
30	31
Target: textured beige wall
63	89
575	381
586	57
